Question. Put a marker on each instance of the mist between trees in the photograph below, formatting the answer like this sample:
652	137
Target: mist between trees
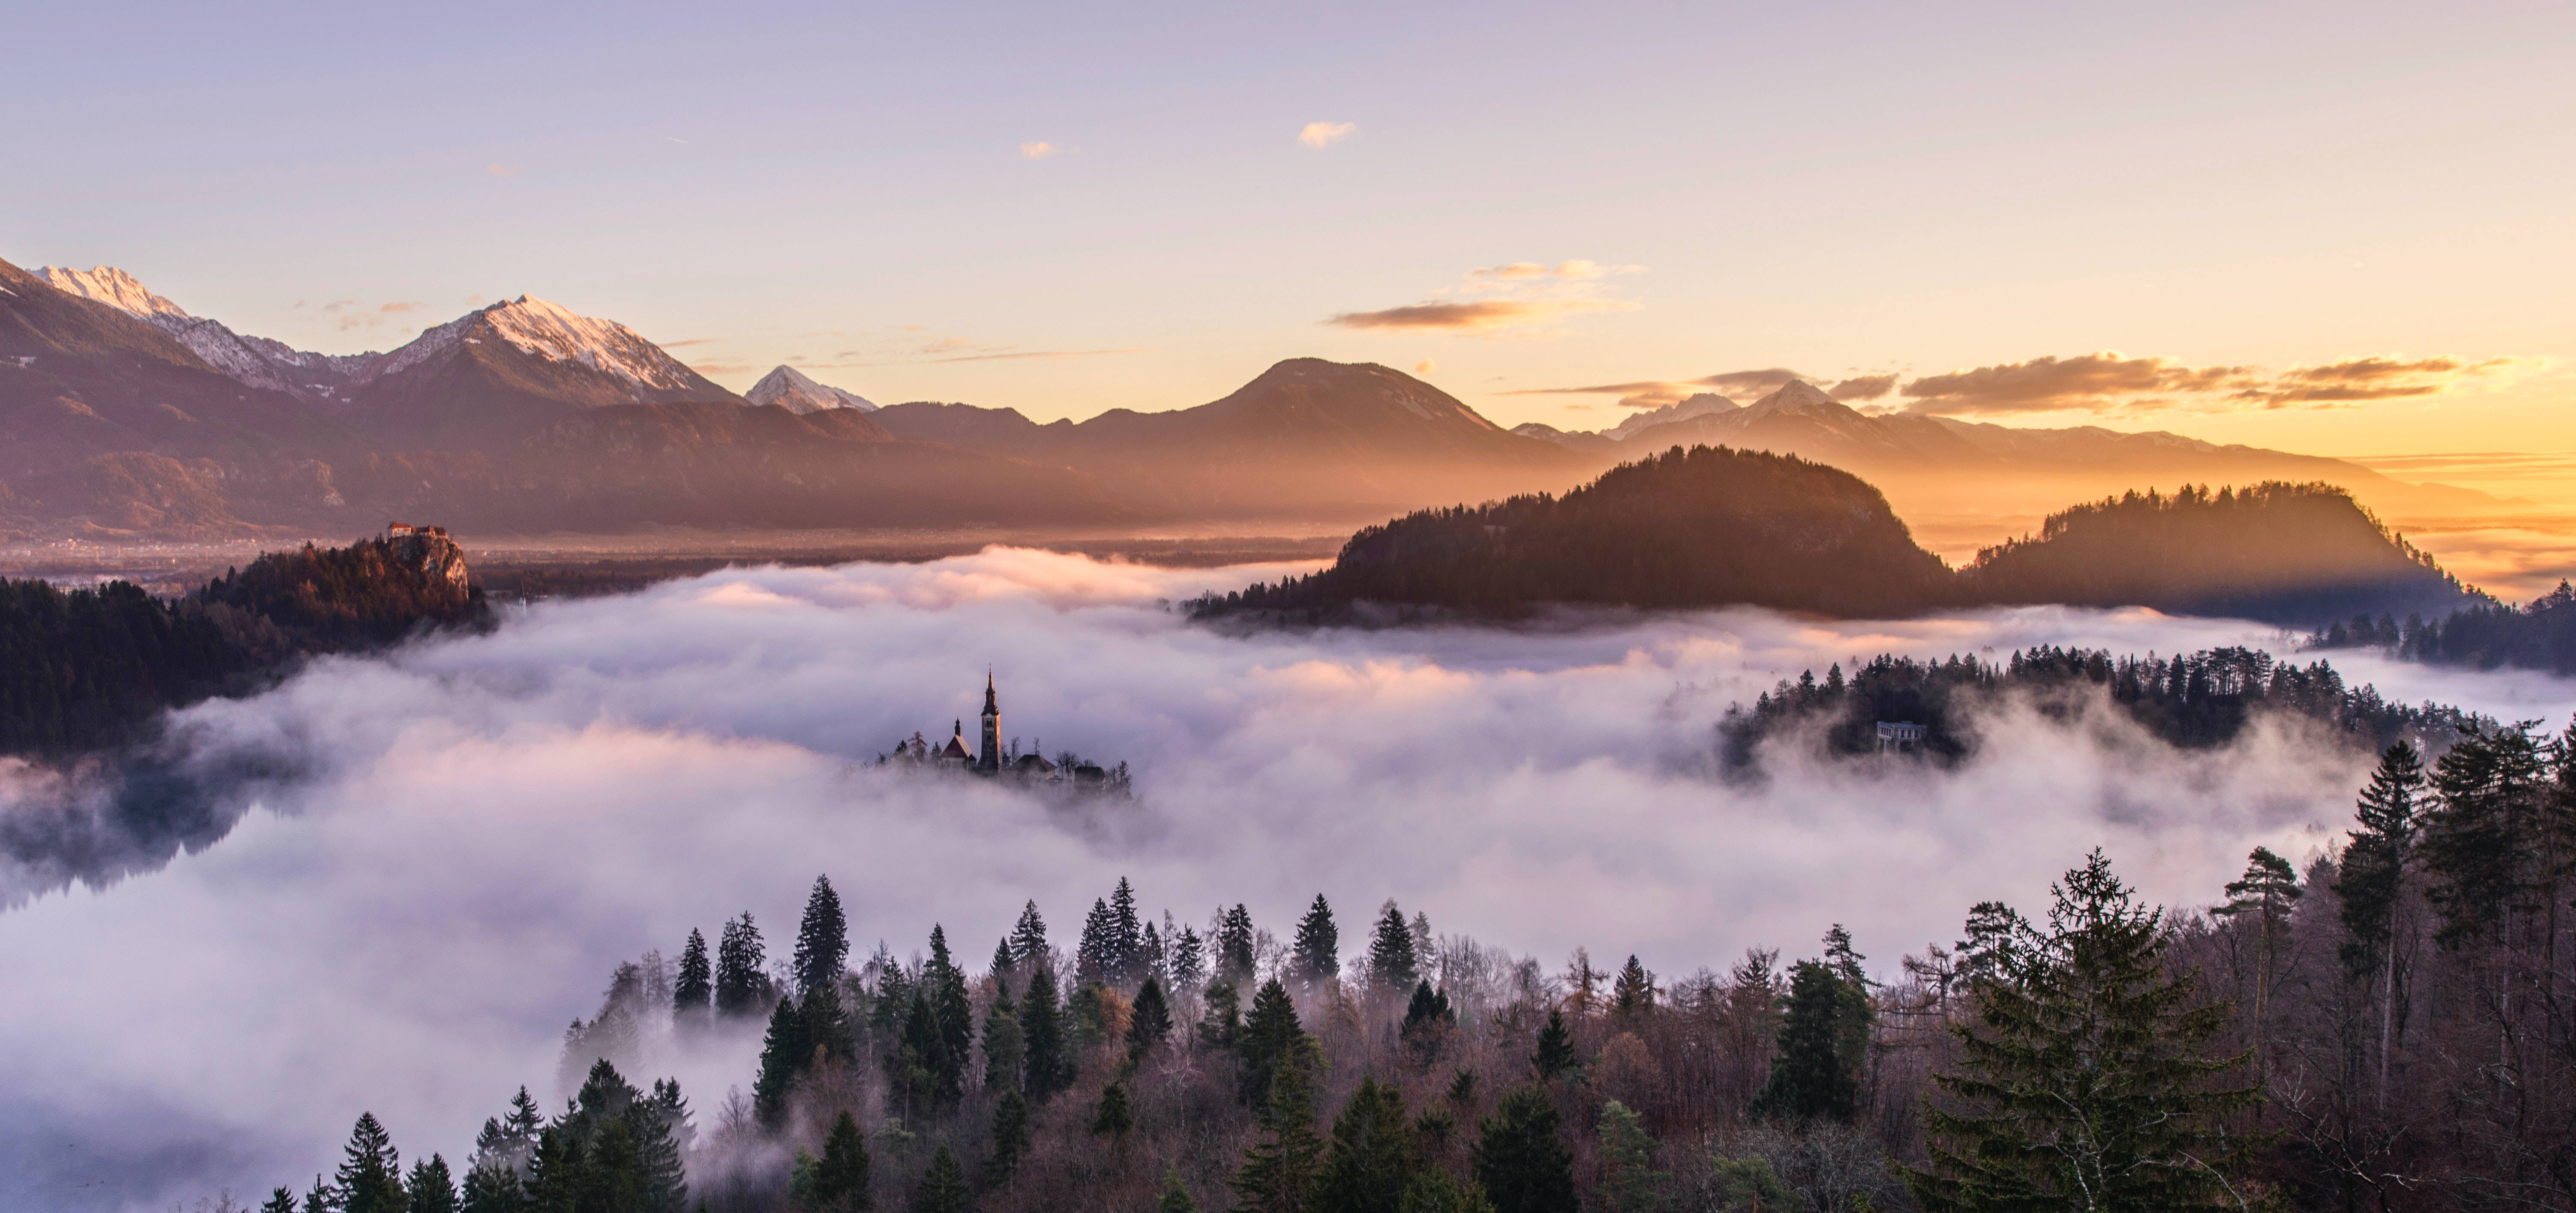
2393	1028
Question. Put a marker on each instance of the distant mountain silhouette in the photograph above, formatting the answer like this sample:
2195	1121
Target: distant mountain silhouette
1713	527
1307	436
1903	451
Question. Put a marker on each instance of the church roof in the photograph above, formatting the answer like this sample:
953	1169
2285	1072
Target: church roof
956	747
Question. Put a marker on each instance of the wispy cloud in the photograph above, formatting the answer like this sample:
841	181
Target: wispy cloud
498	169
1325	134
1864	387
2111	382
1425	367
1572	271
351	315
1476	316
1039	150
1656	393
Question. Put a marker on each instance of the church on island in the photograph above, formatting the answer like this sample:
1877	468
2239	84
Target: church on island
989	758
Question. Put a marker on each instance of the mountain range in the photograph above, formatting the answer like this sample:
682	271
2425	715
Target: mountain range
123	414
1907	453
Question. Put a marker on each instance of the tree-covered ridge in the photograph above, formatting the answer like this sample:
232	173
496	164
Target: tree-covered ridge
373	592
91	669
2385	1029
2280	552
1698	527
2191	700
84	669
1713	526
2537	636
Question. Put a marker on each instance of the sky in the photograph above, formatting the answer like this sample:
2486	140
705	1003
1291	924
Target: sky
439	854
2344	229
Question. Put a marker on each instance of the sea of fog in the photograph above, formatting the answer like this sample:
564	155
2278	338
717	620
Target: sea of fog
448	848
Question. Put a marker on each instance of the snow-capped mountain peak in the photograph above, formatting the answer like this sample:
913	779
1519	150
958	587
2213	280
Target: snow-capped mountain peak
795	391
1697	405
113	287
1796	396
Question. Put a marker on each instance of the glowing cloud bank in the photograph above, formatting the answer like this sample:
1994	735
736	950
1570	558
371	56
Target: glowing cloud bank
474	831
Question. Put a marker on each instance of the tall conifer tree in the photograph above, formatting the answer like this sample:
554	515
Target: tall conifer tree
1149	1021
822	939
1234	959
1279	1170
1374	1154
1048	1064
1028	936
742	985
370	1177
1317	957
694	994
2085	1080
1393	967
1522	1161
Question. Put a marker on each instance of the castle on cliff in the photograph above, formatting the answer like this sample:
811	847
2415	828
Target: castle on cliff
989	758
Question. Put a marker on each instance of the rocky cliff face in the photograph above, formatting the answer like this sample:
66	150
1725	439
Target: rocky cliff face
430	555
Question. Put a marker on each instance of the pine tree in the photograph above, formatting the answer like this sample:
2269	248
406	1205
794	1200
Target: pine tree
1521	1161
1393	967
1095	955
952	1012
520	1125
838	1181
943	1186
2480	841
2386	823
1629	1179
742	987
829	1034
1858	1014
1154	958
1175	1197
1010	1138
1003	1045
1317	957
1374	1153
283	1201
1113	1118
1279	1170
432	1187
1221	1020
1810	1078
913	1068
694	994
1049	1064
1149	1021
2083	1080
784	1054
1189	961
1272	1040
2266	892
1003	964
1234	960
1028	937
2370	880
1555	1053
322	1197
822	939
1126	943
370	1176
1632	996
1427	1019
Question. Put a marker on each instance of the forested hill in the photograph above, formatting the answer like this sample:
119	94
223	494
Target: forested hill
2282	553
1713	526
1688	528
88	669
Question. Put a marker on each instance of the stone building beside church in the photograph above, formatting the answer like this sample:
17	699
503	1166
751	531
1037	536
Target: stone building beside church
989	758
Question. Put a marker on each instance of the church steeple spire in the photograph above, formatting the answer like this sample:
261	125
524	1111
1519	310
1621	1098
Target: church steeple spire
990	759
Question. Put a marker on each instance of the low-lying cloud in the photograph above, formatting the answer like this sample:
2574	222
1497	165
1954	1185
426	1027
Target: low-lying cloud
440	854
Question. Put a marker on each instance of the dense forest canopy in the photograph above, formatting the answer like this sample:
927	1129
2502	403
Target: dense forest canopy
2539	636
2191	700
89	669
1700	527
2284	553
1712	526
2385	1026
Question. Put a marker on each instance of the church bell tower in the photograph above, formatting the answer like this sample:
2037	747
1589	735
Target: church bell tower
990	759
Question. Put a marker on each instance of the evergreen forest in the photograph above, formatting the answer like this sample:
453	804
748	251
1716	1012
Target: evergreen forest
89	669
2385	1026
2538	636
2193	701
1714	526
